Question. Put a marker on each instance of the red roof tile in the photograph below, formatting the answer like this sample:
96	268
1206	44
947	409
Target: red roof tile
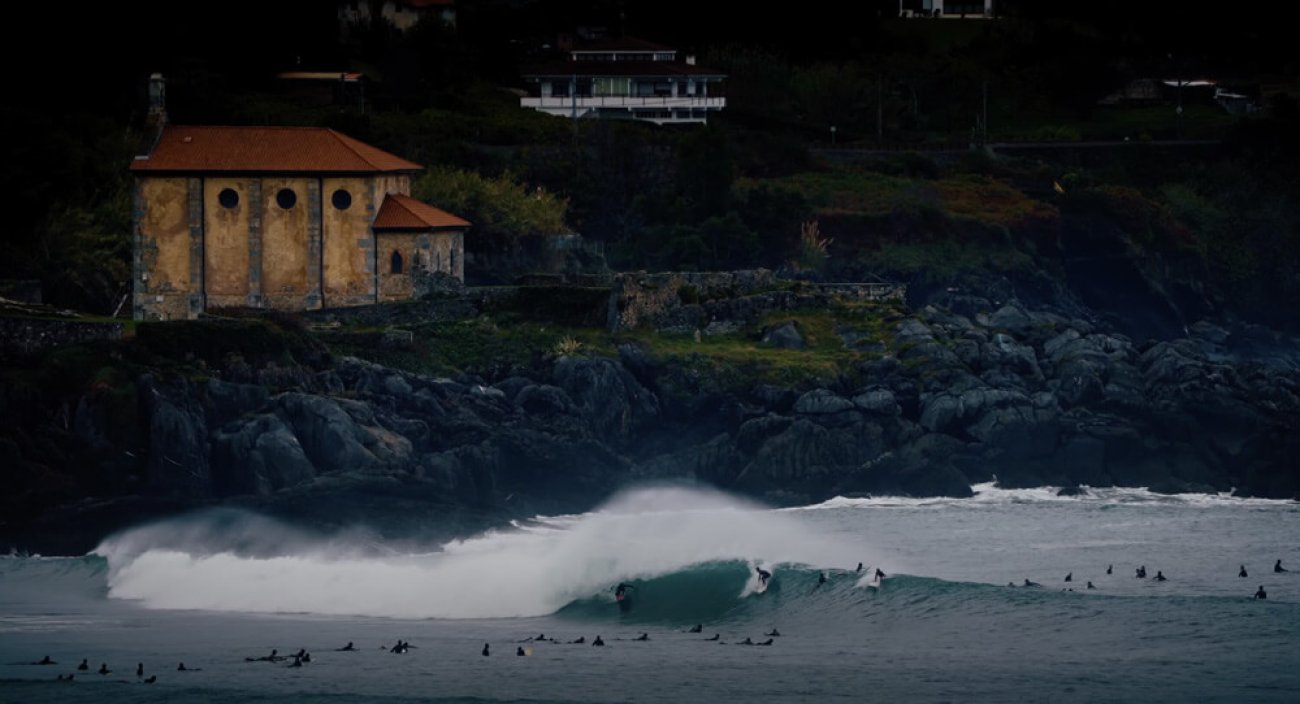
401	212
277	149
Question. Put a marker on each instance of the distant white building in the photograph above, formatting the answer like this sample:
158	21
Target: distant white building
966	9
627	79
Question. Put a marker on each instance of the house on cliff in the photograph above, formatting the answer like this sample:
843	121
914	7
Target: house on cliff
626	79
288	218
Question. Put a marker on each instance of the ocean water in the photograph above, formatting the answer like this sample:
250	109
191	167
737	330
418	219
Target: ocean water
214	589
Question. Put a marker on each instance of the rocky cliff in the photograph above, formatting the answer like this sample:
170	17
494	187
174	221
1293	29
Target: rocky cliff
938	402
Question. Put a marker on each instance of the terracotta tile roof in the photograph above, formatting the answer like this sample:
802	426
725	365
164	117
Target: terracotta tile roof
277	149
401	212
620	68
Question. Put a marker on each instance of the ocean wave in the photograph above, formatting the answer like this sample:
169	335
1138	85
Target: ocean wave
233	561
989	494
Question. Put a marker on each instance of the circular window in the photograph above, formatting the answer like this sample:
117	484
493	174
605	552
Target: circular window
228	198
341	199
286	198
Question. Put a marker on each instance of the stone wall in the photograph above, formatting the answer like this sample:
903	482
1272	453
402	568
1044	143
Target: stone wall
24	336
682	302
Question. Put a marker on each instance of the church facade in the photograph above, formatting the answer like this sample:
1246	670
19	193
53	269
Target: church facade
288	218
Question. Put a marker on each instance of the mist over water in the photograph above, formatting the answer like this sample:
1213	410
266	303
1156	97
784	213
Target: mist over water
232	561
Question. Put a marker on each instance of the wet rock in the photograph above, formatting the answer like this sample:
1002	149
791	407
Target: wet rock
822	402
784	336
878	402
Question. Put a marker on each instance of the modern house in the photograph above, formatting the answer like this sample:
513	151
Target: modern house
626	79
290	218
963	9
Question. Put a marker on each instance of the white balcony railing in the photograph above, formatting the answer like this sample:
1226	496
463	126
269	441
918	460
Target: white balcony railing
666	102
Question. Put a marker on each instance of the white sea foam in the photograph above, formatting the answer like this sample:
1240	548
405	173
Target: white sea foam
241	562
989	494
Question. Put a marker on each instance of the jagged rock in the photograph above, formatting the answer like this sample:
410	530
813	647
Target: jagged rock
912	331
328	435
716	461
810	455
260	456
1081	383
941	413
754	432
777	399
1072	491
1010	317
784	336
1052	346
544	398
919	468
1002	351
878	402
607	395
178	437
511	386
226	401
821	402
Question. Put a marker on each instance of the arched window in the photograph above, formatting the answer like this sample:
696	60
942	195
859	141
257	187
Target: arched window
395	262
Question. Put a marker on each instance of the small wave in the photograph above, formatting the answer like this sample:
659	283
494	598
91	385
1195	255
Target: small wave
989	494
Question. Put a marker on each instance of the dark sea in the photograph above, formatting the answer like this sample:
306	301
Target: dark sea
215	589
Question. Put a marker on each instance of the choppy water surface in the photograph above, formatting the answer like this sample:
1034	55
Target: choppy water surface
214	589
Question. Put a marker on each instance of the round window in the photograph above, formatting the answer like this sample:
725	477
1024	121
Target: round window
228	198
286	198
341	199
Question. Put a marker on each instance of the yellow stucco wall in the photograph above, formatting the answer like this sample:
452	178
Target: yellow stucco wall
396	287
421	251
347	277
225	243
389	183
284	245
162	285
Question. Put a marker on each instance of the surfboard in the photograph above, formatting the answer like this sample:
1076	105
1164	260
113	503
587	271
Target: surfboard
762	586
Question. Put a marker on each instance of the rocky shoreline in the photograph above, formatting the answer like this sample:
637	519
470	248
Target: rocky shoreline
1032	398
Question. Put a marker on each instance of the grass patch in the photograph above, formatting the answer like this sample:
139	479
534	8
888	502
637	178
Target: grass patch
980	199
485	346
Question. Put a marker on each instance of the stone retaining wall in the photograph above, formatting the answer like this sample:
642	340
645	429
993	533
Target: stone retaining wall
24	336
687	301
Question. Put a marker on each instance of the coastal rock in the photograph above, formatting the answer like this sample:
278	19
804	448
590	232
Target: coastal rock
878	402
784	336
259	457
607	395
328	435
822	402
178	437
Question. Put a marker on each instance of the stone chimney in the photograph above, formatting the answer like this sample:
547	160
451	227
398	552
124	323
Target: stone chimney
157	116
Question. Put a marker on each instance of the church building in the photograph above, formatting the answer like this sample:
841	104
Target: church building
289	218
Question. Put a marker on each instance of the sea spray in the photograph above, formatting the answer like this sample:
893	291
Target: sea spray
232	561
